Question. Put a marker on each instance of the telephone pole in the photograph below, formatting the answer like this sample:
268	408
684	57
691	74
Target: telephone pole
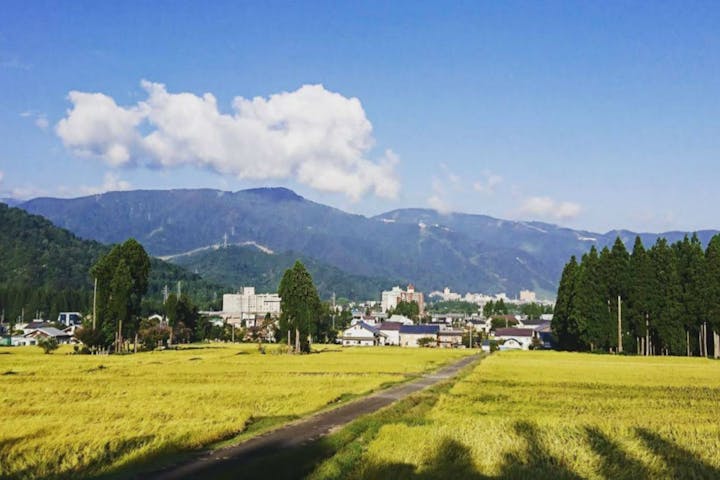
620	345
94	303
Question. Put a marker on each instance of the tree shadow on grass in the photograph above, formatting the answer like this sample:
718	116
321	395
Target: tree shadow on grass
615	462
105	456
681	462
535	461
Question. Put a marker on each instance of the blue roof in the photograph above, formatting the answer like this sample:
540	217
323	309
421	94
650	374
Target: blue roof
420	329
368	327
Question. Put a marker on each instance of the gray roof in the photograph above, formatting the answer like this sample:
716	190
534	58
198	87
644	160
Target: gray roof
51	332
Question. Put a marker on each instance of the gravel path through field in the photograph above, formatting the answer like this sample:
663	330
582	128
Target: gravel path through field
305	430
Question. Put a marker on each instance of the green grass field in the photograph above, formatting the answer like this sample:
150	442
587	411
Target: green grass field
76	415
536	415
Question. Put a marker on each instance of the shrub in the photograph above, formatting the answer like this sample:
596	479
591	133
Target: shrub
48	344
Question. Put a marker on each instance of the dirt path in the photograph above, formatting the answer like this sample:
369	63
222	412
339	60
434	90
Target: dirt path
305	430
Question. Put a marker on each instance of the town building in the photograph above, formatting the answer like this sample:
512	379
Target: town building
515	338
527	296
362	335
410	334
244	307
390	298
391	331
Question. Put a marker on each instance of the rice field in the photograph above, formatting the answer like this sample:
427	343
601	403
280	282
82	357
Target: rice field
67	415
544	415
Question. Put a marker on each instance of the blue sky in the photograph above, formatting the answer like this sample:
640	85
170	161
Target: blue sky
594	115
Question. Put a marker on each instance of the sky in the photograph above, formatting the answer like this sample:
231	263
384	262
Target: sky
590	115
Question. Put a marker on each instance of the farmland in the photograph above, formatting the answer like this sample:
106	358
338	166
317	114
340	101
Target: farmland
540	415
77	415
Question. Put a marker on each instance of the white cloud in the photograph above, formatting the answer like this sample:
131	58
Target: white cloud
436	202
111	183
41	120
438	199
318	137
42	123
488	183
546	207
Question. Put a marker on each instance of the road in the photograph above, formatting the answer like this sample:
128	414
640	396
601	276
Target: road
305	430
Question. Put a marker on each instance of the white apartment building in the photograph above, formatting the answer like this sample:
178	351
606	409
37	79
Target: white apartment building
527	296
245	305
390	298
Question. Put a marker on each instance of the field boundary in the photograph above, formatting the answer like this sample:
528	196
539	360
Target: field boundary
304	430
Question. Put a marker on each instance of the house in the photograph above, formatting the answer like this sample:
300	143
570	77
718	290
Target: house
32	326
363	335
512	344
449	338
480	325
392	332
400	319
22	341
410	334
515	338
51	332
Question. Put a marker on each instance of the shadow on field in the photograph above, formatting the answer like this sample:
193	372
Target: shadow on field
680	462
615	462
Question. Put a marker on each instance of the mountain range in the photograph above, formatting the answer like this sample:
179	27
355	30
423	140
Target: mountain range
465	252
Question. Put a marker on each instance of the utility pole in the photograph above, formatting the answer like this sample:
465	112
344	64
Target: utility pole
94	303
620	345
334	311
647	335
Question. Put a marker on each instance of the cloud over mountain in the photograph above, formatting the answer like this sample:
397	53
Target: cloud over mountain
320	138
548	208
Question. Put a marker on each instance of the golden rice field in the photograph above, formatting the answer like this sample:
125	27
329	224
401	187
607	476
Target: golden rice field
69	415
551	415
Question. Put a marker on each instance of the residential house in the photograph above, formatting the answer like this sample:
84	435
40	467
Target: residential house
515	338
363	335
51	332
449	338
400	319
410	334
391	331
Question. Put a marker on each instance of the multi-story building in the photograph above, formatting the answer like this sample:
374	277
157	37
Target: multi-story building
390	298
246	305
527	296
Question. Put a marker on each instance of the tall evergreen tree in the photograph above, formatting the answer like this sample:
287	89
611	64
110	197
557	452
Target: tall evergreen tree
691	269
639	290
300	306
711	290
665	302
589	309
137	269
565	331
617	282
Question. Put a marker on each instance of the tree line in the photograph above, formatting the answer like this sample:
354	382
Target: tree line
668	297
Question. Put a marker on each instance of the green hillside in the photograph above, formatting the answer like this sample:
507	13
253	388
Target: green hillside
238	266
45	269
